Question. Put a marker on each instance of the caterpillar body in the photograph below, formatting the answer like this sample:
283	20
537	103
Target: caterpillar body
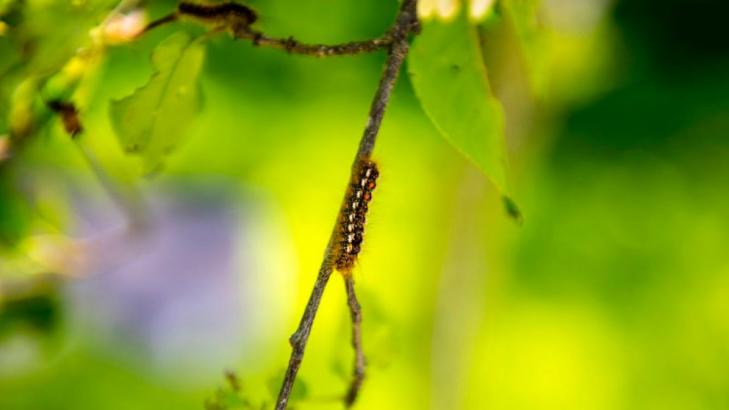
243	14
352	219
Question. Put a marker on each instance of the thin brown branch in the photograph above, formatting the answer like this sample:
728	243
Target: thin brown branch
301	335
358	375
237	20
172	17
291	45
128	203
405	24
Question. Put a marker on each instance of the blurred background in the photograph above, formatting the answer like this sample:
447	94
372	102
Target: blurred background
612	294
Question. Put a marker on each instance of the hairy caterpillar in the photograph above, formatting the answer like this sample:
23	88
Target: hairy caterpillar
352	219
233	11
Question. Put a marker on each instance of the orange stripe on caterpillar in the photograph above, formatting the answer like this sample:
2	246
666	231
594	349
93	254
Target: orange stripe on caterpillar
352	219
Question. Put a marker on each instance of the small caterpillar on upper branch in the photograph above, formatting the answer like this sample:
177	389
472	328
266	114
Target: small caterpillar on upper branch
352	219
235	15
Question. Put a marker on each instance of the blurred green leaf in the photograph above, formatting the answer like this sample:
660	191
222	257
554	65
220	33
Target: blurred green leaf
524	15
62	85
30	303
14	218
49	33
450	80
28	112
152	120
227	400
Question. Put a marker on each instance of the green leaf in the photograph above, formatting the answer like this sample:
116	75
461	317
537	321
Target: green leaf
15	218
449	76
152	120
524	15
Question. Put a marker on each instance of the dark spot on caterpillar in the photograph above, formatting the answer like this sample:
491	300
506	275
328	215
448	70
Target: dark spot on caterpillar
69	116
352	219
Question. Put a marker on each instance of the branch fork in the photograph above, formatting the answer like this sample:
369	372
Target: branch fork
396	41
237	19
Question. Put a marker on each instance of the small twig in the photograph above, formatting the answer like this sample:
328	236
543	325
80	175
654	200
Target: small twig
159	22
128	203
237	20
299	338
355	311
291	45
405	24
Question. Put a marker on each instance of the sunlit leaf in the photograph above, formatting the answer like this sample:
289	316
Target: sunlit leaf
450	80
28	112
152	120
38	41
62	85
